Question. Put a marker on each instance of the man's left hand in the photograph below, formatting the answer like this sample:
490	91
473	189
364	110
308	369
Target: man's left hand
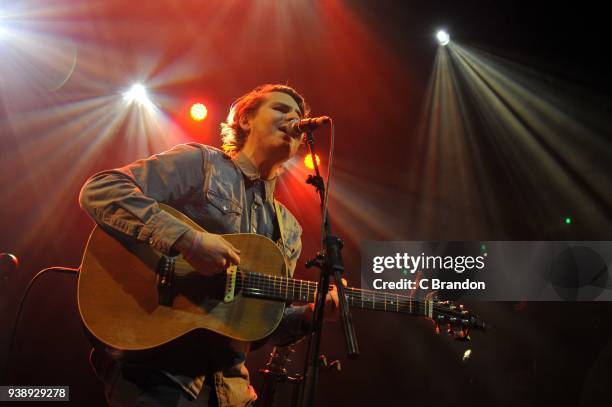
332	305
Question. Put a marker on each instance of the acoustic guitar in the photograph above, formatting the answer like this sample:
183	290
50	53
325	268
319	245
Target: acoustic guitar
132	297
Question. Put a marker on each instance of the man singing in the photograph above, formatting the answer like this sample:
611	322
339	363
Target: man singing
230	191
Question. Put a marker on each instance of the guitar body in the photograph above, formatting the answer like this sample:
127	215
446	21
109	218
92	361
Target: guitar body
122	305
133	298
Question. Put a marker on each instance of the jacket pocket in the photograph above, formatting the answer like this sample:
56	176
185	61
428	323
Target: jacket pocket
224	204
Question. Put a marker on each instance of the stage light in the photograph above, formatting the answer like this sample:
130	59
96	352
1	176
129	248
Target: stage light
443	37
138	94
308	161
568	220
198	112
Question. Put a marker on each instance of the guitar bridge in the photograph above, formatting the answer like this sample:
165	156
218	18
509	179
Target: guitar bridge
165	281
230	283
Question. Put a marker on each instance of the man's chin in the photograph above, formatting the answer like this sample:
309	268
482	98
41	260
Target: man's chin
287	138
280	152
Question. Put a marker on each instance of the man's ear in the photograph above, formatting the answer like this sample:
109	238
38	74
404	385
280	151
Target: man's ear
245	123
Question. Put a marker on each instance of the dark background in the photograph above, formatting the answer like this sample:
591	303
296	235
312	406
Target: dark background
368	65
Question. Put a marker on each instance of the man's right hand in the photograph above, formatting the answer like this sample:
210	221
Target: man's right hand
208	253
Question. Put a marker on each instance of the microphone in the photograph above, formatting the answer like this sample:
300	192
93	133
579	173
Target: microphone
297	127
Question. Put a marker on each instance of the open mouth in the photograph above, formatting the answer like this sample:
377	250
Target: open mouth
285	130
285	136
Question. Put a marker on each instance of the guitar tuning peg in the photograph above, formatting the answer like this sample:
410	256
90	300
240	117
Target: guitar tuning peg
336	365
323	361
462	334
333	365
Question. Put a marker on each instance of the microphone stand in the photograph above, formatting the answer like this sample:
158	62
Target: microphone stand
328	262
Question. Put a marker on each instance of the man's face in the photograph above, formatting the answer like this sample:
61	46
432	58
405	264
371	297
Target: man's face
266	128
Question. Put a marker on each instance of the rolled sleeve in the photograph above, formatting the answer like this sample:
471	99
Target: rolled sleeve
127	199
162	231
292	328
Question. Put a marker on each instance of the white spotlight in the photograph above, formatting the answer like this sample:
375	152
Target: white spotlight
138	94
443	37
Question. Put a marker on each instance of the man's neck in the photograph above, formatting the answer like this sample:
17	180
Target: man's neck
266	167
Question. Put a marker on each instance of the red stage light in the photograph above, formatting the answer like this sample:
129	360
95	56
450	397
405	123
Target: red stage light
198	112
308	161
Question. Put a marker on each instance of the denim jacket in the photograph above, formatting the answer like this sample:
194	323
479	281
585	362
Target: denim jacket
221	194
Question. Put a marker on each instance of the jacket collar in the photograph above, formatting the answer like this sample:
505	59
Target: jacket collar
250	172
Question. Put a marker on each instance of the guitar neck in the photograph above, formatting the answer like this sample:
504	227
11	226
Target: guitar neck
288	289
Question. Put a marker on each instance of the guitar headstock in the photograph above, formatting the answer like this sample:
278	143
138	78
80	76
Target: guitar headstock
455	319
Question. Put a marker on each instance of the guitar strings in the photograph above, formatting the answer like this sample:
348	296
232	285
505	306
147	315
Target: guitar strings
266	285
278	284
